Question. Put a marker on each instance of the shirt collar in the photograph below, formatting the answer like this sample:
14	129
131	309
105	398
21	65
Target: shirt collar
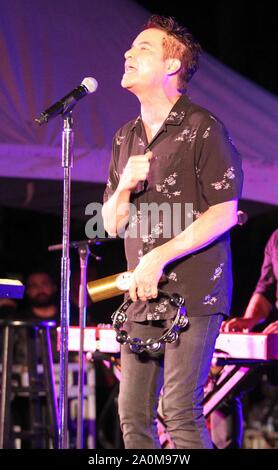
174	118
177	113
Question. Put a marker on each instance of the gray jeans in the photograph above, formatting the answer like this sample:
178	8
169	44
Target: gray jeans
182	369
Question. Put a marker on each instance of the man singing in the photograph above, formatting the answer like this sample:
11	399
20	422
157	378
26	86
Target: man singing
175	153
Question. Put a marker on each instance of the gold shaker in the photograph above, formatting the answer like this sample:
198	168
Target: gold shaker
109	286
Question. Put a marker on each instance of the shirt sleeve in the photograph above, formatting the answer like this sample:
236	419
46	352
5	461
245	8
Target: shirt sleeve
219	165
267	282
113	175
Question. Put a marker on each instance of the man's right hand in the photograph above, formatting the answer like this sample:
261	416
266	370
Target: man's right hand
238	325
136	169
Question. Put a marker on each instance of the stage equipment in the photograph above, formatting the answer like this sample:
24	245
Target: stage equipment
64	107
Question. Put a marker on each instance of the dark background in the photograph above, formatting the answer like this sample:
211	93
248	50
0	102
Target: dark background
243	36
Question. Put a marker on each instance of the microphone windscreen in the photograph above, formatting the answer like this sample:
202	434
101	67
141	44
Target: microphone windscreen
90	84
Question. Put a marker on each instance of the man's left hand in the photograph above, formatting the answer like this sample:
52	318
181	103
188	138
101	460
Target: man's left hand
146	276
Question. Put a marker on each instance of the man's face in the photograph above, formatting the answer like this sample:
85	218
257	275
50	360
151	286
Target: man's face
40	290
145	68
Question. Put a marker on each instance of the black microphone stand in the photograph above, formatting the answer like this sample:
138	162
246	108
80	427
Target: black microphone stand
84	252
67	164
65	107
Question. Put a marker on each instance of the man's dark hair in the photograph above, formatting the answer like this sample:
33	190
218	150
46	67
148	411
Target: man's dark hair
179	44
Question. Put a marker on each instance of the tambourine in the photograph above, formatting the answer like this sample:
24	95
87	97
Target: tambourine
137	345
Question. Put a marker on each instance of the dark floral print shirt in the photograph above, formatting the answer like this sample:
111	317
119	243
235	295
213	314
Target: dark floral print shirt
194	166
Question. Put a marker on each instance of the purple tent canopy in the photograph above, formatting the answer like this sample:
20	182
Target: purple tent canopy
47	48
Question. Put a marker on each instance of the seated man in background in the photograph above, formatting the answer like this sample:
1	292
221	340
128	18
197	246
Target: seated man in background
41	304
263	305
262	309
41	293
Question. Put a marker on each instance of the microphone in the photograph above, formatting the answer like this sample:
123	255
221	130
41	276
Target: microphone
66	104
